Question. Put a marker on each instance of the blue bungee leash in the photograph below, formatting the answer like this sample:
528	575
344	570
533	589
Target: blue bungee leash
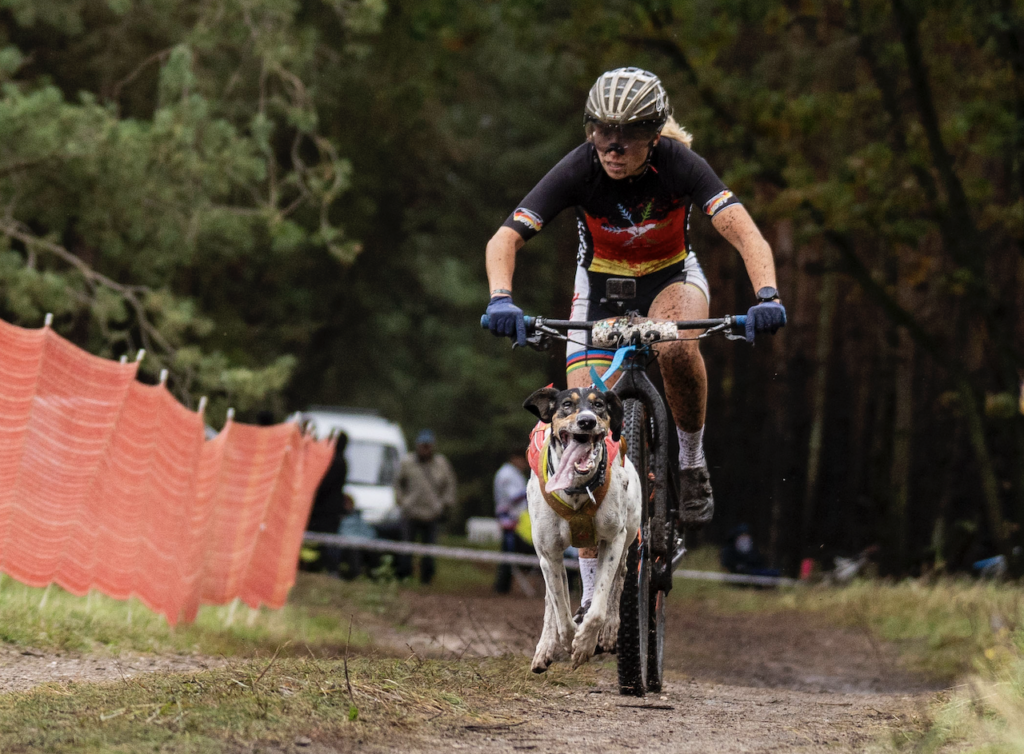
620	356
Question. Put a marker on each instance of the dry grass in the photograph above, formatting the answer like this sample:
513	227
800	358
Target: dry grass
948	629
317	616
984	711
272	702
965	632
943	628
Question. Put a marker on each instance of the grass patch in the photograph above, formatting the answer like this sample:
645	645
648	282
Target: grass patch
461	540
985	711
943	629
703	558
317	615
948	629
272	702
458	577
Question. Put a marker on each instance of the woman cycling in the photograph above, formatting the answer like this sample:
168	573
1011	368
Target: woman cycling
633	183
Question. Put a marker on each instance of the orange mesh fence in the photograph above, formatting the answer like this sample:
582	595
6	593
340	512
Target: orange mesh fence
109	484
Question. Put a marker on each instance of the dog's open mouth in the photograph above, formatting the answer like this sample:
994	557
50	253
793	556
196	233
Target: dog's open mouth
580	456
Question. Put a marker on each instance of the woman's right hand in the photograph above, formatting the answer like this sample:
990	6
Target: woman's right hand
507	319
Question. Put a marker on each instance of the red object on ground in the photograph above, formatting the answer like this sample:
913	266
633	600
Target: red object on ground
806	568
110	484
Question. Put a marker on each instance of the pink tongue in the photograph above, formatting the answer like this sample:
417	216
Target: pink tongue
574	453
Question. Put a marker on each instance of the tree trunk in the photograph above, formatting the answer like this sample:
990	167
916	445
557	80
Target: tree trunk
903	426
828	299
989	482
777	394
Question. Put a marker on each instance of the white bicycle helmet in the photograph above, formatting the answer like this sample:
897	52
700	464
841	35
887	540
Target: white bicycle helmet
627	95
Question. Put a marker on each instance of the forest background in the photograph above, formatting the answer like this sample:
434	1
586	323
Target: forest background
286	202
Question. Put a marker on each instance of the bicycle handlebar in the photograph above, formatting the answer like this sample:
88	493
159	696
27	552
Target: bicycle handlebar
485	322
733	320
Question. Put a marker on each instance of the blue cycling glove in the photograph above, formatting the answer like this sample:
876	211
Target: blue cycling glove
507	319
768	316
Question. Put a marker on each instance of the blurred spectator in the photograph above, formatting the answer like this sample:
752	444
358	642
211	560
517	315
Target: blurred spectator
354	561
330	505
740	554
425	493
509	506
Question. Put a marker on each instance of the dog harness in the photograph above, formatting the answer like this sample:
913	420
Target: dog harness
582	532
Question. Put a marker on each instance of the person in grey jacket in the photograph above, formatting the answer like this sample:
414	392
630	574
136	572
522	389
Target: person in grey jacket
425	493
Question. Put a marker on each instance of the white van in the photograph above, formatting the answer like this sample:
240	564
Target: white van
375	447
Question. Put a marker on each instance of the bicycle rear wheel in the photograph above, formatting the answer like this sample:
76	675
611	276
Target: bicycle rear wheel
634	605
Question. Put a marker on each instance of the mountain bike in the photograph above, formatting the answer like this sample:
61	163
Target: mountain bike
652	447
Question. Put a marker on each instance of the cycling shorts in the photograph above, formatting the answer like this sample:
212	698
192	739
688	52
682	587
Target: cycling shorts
587	306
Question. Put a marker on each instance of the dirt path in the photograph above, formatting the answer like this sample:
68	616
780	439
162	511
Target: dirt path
735	683
22	668
690	716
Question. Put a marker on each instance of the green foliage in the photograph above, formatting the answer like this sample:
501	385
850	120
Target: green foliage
287	201
124	225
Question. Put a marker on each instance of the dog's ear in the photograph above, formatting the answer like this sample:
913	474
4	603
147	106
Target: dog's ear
542	404
615	414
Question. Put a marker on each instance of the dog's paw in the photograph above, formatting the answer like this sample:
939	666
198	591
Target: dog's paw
566	632
585	643
609	636
544	656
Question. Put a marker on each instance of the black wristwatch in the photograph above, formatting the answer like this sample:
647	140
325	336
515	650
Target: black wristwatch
767	294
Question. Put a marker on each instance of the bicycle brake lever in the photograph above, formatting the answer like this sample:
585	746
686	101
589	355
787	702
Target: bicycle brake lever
539	342
725	329
541	338
712	330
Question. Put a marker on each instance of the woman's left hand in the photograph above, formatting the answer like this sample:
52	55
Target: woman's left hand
768	316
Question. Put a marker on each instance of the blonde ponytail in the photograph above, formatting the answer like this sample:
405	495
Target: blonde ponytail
672	130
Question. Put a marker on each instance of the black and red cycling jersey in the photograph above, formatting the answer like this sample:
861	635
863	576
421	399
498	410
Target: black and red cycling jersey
633	226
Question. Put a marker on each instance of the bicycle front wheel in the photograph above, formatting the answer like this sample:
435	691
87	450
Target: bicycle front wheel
634	605
656	622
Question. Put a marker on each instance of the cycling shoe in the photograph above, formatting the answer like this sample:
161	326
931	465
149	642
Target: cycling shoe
698	503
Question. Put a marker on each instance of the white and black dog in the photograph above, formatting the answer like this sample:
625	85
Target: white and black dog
585	491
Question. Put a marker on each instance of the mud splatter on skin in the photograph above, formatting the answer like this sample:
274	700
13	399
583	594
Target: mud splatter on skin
682	366
738	228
